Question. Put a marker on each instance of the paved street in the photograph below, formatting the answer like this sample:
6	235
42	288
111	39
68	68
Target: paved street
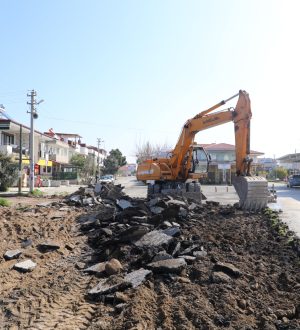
289	201
47	191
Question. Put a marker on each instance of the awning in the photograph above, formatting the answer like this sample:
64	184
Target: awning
41	162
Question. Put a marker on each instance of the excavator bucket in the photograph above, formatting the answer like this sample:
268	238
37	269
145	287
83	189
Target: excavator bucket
252	191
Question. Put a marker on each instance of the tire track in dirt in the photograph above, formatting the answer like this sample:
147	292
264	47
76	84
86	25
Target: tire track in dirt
52	296
57	303
65	310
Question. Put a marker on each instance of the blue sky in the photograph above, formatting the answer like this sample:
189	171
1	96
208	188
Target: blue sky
134	71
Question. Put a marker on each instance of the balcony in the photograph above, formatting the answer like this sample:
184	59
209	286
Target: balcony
59	158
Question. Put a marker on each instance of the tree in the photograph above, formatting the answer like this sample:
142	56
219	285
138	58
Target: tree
113	162
85	165
8	172
149	151
78	160
279	173
89	166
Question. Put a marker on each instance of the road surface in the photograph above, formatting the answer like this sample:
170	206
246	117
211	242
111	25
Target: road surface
289	202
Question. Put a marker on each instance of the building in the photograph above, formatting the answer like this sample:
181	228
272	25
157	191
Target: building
222	167
267	164
291	162
127	170
64	146
14	141
52	151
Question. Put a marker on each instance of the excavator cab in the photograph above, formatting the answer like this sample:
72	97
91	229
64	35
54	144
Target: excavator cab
200	160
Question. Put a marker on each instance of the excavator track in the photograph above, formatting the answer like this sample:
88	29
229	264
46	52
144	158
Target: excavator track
191	190
252	191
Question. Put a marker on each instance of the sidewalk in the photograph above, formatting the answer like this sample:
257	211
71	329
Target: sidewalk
47	191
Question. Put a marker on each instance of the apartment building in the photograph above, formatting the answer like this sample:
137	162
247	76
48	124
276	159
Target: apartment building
52	151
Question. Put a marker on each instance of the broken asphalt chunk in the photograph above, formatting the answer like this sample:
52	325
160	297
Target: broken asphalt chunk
154	238
200	254
87	201
26	242
108	285
96	269
176	202
174	231
133	233
168	266
162	255
188	259
220	277
25	266
12	254
156	209
75	199
124	204
98	188
140	219
107	231
137	277
43	204
228	269
48	246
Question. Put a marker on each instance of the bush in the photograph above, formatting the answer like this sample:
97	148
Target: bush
4	202
8	172
36	193
279	173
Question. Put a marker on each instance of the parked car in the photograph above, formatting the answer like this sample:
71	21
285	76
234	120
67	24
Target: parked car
107	179
293	180
111	177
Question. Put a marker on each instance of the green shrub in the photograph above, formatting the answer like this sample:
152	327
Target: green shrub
36	193
8	172
4	202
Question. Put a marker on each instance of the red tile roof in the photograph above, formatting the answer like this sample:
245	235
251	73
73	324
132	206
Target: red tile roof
224	147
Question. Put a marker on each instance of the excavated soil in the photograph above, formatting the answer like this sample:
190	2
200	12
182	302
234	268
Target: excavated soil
263	292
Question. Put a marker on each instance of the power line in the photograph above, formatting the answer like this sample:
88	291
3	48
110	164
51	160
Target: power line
13	92
13	101
108	126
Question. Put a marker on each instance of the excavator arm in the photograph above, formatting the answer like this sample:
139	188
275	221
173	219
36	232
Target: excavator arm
240	115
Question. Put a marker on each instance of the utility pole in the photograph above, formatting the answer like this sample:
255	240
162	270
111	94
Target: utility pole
98	159
33	115
20	163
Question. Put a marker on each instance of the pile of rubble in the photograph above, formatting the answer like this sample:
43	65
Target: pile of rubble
218	250
99	259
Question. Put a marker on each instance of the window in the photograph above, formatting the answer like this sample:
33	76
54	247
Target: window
46	169
8	139
213	156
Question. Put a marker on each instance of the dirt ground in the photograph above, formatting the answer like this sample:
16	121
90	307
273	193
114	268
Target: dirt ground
263	294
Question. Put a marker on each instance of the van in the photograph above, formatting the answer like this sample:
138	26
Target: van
293	180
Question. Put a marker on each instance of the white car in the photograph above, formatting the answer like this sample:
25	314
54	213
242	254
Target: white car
107	179
111	177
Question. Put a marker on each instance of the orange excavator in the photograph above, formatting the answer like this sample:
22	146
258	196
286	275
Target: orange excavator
179	173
